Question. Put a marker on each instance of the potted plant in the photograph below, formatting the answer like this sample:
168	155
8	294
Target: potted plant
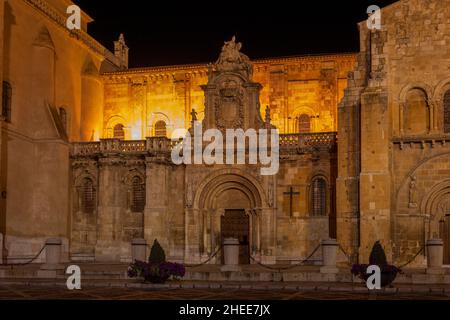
157	269
378	258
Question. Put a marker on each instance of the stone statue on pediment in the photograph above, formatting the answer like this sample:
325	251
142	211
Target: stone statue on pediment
231	59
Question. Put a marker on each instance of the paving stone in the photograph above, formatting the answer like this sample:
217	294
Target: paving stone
420	289
390	290
291	287
245	286
307	288
360	289
323	288
341	289
58	292
201	286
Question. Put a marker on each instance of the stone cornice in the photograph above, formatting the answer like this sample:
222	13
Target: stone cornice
423	141
60	20
203	67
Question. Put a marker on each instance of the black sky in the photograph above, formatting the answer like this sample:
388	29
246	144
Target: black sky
178	32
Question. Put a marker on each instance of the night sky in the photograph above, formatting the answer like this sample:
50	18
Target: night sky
179	32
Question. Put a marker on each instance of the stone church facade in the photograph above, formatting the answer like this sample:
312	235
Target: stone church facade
86	148
394	161
191	208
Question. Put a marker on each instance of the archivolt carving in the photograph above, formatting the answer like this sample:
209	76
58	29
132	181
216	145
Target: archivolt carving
227	179
431	204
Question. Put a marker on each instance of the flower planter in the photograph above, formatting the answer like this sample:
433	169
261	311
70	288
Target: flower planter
156	279
156	272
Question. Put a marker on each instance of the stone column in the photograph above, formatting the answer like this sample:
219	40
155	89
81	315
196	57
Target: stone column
435	256
156	209
268	236
53	249
329	253
231	255
1	245
138	250
192	236
375	177
110	205
53	252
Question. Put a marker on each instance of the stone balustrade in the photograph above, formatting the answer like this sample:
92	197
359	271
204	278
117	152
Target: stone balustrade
288	143
307	140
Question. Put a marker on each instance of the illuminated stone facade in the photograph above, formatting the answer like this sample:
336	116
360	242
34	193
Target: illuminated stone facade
85	153
186	206
296	87
54	84
394	160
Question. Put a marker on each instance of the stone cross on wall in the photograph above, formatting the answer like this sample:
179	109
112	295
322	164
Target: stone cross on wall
291	195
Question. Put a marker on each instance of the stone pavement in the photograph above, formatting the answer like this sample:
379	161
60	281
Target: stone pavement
193	290
35	292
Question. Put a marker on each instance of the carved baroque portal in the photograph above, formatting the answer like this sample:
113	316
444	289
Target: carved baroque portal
232	99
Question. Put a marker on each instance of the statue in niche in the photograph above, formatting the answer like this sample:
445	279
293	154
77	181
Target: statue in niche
270	195
189	195
413	192
231	59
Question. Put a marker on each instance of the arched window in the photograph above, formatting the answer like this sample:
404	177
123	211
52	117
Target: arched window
304	123
88	196
63	117
160	129
417	117
447	112
319	197
119	132
138	195
6	101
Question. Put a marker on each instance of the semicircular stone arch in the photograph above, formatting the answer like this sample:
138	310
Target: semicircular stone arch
421	197
224	192
423	168
221	180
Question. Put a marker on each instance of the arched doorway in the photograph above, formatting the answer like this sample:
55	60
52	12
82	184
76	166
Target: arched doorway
236	224
444	231
228	203
437	205
444	225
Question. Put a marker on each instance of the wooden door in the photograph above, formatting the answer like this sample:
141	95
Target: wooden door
236	224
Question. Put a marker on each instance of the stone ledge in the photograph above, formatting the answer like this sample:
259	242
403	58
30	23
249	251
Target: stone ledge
336	287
